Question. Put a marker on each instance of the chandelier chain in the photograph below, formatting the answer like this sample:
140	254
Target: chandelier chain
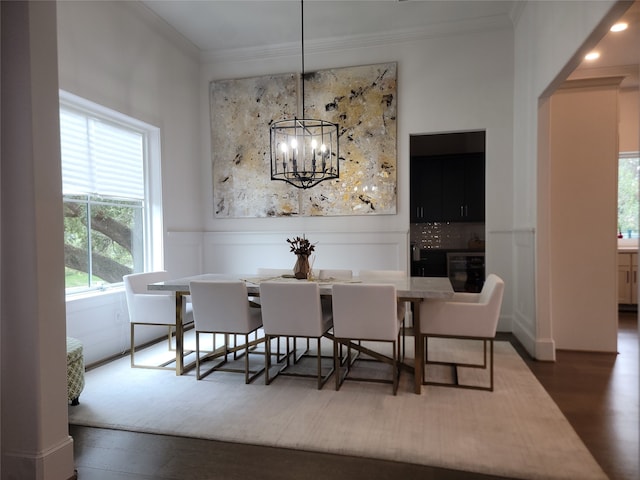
304	151
302	43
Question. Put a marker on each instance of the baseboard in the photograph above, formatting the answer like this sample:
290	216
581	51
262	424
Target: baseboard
543	349
55	463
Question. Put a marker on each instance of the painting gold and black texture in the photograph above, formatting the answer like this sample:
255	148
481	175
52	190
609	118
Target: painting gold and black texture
362	100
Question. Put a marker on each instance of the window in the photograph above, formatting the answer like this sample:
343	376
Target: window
628	188
110	183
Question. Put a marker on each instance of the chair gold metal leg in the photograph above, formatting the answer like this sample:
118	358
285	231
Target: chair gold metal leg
487	364
222	356
290	359
198	355
133	345
395	369
376	356
319	364
132	353
336	363
425	341
491	363
267	359
246	359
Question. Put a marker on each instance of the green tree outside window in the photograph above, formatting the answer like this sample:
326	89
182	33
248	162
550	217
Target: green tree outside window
628	195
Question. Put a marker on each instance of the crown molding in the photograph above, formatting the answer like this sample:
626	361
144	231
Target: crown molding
591	83
263	52
629	74
516	11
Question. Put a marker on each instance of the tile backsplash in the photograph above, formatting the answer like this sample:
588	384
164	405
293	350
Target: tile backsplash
445	235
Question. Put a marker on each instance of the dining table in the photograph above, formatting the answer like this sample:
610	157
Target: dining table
408	289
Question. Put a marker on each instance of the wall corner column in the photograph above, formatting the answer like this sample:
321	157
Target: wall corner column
35	441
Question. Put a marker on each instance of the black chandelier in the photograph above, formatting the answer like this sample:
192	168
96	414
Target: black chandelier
304	151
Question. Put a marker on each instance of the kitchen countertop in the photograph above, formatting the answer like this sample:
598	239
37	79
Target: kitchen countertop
627	245
426	251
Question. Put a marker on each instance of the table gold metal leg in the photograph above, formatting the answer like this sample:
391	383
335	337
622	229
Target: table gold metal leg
179	334
418	350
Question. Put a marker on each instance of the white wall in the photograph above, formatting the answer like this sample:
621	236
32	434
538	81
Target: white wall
453	83
629	120
117	55
101	322
583	220
34	439
549	44
111	53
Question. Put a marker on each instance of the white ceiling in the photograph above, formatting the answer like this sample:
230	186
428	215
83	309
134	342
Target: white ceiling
619	52
223	25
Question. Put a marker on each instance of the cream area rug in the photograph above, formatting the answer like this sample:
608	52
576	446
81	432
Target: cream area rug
515	431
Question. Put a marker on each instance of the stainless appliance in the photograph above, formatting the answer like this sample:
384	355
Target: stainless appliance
466	271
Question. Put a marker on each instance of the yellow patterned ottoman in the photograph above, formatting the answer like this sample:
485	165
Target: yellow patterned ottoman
75	370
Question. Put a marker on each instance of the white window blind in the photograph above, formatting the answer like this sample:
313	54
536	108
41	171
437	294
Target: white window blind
100	157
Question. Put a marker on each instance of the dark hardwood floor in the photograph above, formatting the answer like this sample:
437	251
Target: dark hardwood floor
598	393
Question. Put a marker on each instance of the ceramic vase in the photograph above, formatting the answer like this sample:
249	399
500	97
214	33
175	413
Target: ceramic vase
301	268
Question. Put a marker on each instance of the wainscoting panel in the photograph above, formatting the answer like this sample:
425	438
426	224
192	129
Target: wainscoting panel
525	321
506	248
244	252
101	322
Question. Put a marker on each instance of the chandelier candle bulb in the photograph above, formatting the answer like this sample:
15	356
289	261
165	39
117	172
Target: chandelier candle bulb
314	144
301	167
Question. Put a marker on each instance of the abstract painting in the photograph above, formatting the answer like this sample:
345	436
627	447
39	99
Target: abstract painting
362	100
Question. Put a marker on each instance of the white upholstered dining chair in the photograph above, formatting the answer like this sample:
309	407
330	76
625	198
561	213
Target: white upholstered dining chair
293	310
152	307
274	272
468	316
369	313
383	276
222	307
329	275
335	273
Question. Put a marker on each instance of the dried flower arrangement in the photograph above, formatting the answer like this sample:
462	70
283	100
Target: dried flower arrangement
301	246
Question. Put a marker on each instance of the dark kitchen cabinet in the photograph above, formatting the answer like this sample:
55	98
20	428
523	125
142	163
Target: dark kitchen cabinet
448	188
426	190
463	188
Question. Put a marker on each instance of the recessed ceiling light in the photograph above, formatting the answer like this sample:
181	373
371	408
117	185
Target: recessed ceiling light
619	27
592	56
